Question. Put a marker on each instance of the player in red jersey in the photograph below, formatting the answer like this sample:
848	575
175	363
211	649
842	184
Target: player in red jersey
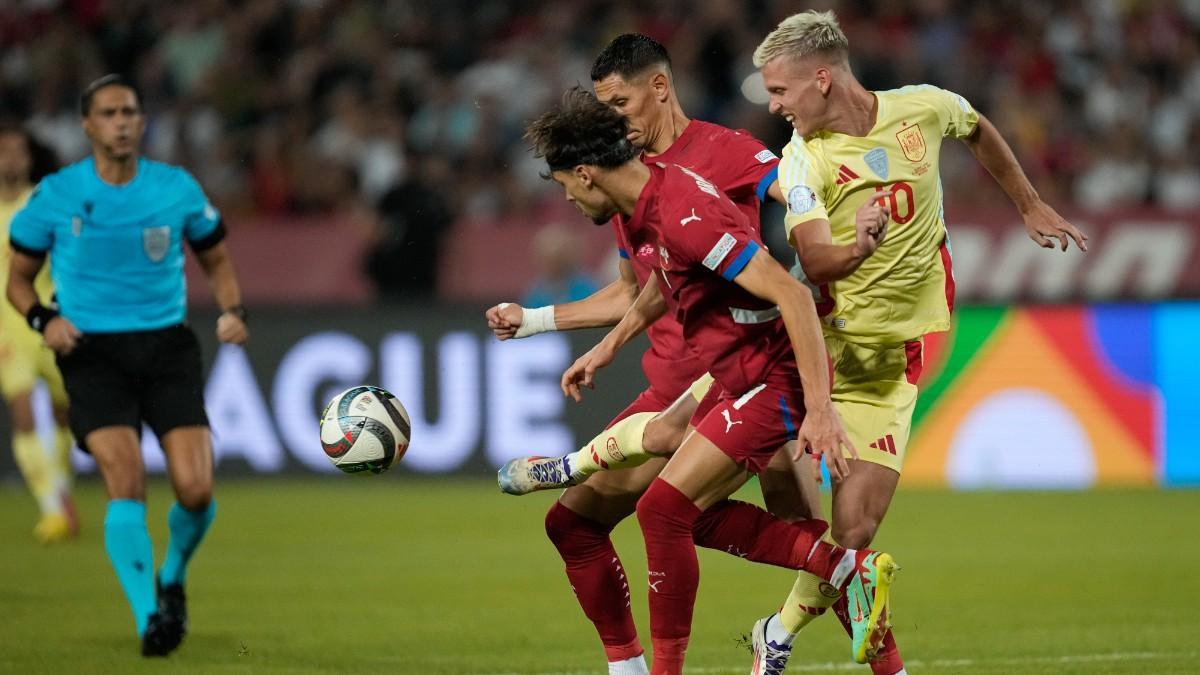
632	74
752	325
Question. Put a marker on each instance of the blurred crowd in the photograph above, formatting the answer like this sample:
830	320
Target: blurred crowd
407	115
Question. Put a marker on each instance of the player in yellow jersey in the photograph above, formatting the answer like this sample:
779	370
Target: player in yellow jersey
24	359
849	143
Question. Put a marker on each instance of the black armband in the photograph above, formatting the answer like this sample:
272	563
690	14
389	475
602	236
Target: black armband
215	237
240	312
25	250
39	315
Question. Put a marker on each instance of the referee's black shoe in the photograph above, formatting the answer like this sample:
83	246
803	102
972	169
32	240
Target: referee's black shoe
168	625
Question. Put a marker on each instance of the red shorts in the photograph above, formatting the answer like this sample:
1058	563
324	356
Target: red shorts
671	369
650	400
751	426
668	380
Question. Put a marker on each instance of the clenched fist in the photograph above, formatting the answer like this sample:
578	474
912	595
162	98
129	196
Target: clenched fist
504	319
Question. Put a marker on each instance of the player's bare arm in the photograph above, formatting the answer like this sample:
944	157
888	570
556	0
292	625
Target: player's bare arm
775	192
59	333
218	267
822	430
23	269
603	308
1042	223
822	260
645	310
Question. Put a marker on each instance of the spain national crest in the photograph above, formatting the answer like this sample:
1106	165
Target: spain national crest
912	143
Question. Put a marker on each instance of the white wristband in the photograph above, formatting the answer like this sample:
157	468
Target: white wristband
536	320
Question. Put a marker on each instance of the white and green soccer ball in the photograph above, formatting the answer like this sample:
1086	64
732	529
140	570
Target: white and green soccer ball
365	429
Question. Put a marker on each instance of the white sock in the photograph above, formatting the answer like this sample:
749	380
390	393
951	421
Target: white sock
843	569
634	666
902	672
777	633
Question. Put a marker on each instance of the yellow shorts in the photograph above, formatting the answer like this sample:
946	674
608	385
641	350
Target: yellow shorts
24	359
874	391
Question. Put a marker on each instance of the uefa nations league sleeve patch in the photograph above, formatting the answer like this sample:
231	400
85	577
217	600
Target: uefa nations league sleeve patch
765	156
801	199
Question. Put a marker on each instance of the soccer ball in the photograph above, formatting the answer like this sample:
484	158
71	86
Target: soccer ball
365	429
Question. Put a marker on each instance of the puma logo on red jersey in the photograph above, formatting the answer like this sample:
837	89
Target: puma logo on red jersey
729	422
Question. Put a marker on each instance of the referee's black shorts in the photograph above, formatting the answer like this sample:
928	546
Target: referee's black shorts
124	379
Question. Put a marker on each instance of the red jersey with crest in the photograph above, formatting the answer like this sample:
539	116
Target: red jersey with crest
742	168
698	241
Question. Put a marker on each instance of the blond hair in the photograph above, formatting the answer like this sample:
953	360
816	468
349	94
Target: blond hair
802	35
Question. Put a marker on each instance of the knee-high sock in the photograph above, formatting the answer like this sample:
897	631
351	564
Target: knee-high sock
64	440
747	531
750	532
187	530
617	447
667	517
41	474
596	574
129	549
888	661
810	597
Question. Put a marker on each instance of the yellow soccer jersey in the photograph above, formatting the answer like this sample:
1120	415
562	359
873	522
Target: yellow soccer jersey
906	288
10	319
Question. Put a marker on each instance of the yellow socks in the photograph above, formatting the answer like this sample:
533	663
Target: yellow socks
617	447
41	475
63	442
810	597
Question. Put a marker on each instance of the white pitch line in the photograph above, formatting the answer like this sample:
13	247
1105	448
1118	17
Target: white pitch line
935	663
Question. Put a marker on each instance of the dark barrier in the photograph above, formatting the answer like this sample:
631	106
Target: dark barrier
1013	397
474	401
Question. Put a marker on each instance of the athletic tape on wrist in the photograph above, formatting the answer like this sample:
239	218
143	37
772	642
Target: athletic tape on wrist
536	320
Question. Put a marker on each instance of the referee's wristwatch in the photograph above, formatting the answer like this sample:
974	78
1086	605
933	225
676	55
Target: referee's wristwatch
39	315
240	312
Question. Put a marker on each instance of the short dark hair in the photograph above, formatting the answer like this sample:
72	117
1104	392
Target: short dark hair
581	130
110	80
42	160
628	55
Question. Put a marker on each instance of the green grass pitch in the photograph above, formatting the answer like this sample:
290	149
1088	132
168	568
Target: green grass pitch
397	575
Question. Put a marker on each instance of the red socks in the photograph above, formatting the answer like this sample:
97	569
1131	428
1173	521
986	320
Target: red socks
667	517
669	521
672	527
596	575
749	532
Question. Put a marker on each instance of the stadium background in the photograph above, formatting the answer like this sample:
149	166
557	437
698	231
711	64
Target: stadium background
367	159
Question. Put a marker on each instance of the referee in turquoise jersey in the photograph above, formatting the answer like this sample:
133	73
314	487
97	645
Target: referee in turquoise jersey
114	225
